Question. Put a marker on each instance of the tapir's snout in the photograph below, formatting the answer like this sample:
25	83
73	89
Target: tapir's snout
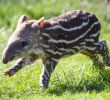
6	57
5	61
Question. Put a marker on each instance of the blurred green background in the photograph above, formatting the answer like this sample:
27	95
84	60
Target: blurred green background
75	77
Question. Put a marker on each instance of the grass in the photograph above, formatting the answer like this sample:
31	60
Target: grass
75	77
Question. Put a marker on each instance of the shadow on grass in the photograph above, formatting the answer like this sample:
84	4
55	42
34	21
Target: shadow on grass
89	85
64	88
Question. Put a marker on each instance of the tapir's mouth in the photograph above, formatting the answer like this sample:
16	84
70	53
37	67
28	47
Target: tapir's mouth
6	60
12	58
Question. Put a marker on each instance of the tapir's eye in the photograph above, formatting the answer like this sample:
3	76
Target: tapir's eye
23	43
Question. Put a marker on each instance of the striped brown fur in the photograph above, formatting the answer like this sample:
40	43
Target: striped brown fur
70	33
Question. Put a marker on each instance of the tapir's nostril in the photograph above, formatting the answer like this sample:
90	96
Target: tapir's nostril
5	58
5	61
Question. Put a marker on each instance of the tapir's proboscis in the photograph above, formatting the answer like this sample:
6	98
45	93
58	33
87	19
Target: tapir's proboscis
70	33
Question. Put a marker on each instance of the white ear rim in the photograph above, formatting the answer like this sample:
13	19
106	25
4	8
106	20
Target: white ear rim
40	19
37	23
21	19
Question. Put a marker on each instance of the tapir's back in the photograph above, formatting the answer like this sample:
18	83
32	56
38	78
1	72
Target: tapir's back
70	32
73	23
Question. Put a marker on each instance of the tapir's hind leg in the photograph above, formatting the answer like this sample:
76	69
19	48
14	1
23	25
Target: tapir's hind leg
95	58
102	49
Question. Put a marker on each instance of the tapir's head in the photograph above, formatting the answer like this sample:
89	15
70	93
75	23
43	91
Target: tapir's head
23	39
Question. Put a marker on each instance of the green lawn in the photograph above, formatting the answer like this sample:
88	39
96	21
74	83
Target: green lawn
75	77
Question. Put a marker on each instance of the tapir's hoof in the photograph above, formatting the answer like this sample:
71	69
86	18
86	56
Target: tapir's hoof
43	88
108	64
8	72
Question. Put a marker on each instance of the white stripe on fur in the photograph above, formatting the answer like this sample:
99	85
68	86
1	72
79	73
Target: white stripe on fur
54	52
68	30
72	41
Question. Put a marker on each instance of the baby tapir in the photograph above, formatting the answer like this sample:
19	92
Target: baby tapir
70	33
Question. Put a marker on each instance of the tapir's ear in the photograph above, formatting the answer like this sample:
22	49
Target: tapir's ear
22	19
41	22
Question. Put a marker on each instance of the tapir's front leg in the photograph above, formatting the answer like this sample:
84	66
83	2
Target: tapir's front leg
49	66
20	63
